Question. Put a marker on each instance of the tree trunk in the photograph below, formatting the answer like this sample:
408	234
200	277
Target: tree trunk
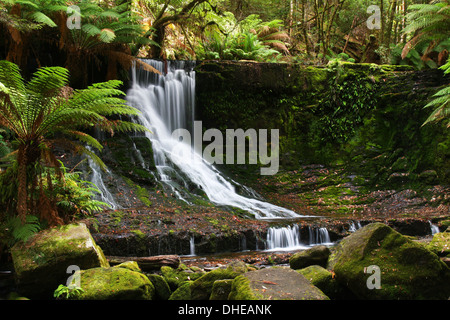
22	195
387	40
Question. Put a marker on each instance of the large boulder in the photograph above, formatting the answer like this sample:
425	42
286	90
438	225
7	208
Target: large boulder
42	262
116	283
317	255
274	284
377	262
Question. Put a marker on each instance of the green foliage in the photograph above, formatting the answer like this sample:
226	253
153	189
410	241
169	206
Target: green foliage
344	105
441	102
13	230
74	197
249	39
64	292
42	115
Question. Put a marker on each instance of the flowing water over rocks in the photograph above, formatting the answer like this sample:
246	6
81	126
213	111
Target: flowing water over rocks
167	205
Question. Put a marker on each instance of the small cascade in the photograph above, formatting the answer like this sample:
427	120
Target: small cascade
192	246
97	179
434	228
288	238
285	238
319	236
354	226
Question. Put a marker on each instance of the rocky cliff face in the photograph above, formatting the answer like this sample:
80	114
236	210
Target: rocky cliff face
364	115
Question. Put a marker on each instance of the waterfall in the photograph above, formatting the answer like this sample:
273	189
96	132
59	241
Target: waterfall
284	238
353	227
319	236
167	103
288	238
97	179
192	246
434	228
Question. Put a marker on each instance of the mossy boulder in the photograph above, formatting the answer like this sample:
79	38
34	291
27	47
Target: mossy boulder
274	284
325	281
176	277
202	287
221	289
440	244
41	263
183	292
317	255
116	283
403	268
162	289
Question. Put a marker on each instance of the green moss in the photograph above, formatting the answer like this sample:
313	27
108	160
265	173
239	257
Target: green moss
202	287
221	289
115	284
176	277
408	269
183	292
241	290
440	244
162	289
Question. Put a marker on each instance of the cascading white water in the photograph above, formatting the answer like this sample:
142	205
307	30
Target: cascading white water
167	103
192	246
353	227
288	238
97	179
434	228
284	238
319	236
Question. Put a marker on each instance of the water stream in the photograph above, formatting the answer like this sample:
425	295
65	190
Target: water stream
167	103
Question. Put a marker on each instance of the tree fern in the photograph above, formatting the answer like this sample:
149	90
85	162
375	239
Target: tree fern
441	102
41	118
16	230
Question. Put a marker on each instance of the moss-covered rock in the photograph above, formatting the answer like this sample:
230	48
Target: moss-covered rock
130	265
183	292
162	289
440	244
317	255
403	268
221	289
325	281
41	263
116	283
176	277
202	287
274	284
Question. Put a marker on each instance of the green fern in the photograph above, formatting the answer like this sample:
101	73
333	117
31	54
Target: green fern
18	231
441	102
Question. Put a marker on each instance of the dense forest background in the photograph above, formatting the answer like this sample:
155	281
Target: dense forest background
97	39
